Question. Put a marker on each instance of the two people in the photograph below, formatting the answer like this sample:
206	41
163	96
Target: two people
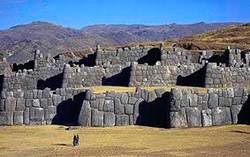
76	140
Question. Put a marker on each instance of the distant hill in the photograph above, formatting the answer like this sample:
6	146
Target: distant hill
19	42
233	36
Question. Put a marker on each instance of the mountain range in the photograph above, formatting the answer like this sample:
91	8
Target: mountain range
18	43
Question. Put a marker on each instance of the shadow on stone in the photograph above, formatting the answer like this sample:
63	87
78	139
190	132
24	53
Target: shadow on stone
244	115
1	82
155	113
196	79
121	79
152	57
87	61
219	58
53	83
68	111
28	65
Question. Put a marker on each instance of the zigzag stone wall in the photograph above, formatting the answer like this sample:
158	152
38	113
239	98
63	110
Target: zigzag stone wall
35	107
120	56
217	76
78	77
159	75
124	56
28	79
177	108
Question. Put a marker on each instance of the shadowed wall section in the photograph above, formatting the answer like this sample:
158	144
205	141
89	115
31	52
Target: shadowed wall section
152	57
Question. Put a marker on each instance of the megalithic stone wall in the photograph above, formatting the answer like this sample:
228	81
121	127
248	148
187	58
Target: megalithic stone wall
37	107
217	77
160	75
178	108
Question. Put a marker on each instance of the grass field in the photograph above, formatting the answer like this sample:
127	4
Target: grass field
120	89
46	141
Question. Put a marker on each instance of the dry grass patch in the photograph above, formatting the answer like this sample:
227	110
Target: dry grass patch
124	141
119	89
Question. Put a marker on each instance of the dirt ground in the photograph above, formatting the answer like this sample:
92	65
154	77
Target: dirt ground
139	141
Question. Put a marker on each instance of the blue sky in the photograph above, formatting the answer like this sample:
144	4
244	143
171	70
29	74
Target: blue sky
79	13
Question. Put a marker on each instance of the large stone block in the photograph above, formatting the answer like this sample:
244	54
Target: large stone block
213	100
132	100
237	100
35	95
100	104
28	94
26	116
36	103
46	93
97	118
137	106
221	116
108	106
185	100
124	98
119	108
39	94
10	104
3	118
94	104
85	114
193	117
2	105
235	109
129	109
10	118
144	94
109	119
56	99
44	103
175	105
20	104
178	119
193	98
28	102
36	115
50	112
6	118
4	94
18	118
131	120
122	120
225	102
206	116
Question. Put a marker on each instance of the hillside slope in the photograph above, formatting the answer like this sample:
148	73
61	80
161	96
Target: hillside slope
18	42
233	36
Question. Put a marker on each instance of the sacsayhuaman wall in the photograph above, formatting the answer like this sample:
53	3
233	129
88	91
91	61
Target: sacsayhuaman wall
53	89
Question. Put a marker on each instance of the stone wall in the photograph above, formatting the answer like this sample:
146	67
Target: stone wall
194	108
179	57
120	56
178	108
38	107
124	56
121	109
217	76
28	79
78	77
160	75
